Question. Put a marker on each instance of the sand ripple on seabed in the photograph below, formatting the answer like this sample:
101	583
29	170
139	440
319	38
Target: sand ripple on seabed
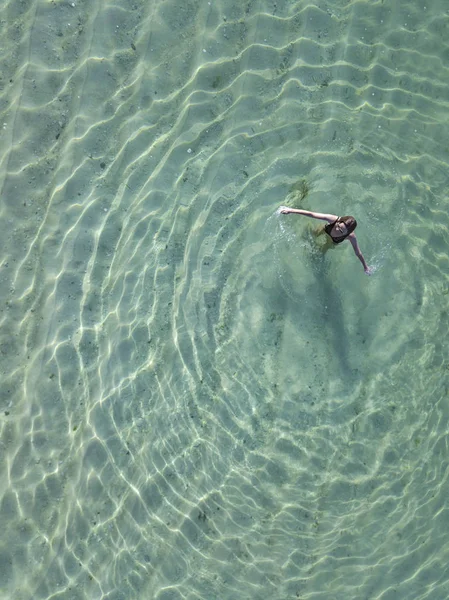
168	431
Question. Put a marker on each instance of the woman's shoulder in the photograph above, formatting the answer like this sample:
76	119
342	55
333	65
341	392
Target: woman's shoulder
329	218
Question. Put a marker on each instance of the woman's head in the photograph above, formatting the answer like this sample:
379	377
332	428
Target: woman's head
349	222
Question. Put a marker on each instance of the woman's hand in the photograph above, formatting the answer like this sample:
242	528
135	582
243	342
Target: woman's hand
284	210
369	270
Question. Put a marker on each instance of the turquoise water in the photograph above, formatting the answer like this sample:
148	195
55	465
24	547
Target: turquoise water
196	402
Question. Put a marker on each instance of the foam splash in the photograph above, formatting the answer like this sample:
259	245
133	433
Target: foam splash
280	209
378	260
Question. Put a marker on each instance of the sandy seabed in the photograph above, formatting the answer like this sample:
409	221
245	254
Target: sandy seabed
196	402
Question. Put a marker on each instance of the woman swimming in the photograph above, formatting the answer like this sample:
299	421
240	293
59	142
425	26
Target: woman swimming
338	229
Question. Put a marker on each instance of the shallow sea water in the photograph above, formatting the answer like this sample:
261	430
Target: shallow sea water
196	402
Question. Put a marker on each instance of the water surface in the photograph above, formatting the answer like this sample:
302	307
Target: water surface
196	403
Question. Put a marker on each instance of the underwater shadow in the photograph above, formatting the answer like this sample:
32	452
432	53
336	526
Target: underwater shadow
330	310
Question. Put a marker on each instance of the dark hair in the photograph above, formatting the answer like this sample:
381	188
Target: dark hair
350	223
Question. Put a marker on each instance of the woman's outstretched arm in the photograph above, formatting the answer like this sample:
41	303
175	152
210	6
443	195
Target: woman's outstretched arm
285	210
359	255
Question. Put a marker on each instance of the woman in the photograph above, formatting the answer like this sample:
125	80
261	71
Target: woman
338	229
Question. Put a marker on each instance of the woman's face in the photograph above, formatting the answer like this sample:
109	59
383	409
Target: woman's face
339	229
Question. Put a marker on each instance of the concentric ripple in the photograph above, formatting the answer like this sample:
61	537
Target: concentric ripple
196	401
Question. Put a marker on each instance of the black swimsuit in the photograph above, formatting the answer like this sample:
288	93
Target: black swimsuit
328	229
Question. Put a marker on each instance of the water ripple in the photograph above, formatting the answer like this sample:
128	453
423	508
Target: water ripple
196	401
